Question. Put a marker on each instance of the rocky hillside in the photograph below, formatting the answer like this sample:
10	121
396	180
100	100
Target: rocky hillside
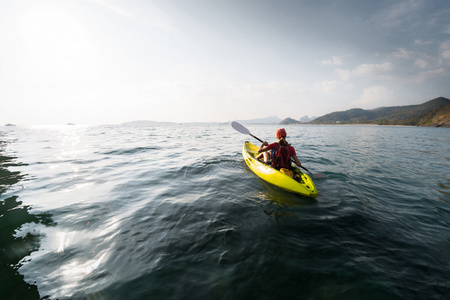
440	118
435	113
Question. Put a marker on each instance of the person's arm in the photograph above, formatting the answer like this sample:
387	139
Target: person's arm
263	147
297	162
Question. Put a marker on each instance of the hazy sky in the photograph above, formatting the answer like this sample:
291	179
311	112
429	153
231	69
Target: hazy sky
112	61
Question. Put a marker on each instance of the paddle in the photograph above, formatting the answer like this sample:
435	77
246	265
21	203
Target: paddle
242	129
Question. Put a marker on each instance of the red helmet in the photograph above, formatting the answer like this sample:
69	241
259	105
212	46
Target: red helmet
281	132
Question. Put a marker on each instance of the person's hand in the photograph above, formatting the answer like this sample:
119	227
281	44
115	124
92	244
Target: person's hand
264	144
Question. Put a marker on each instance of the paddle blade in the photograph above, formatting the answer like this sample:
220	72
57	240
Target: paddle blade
240	128
319	176
315	175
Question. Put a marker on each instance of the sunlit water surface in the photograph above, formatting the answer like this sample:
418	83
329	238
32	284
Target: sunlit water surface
172	212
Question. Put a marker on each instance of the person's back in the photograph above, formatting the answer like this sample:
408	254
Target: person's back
281	157
282	152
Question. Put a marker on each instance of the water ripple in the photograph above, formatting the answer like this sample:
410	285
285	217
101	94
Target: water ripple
172	212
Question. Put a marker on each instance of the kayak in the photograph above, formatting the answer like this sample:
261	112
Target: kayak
304	186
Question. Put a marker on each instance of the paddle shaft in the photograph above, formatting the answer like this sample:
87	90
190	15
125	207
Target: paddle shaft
306	170
255	137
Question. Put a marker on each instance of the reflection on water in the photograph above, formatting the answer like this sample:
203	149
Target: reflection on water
15	246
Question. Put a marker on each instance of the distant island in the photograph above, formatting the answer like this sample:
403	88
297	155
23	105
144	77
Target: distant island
433	113
267	120
276	120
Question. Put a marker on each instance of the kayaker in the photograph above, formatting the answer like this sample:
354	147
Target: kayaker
281	153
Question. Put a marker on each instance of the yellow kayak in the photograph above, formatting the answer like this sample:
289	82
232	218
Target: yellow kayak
304	186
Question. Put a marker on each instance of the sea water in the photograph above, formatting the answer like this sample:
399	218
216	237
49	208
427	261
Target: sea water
173	212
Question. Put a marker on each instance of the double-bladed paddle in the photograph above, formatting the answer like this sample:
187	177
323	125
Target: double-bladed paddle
242	129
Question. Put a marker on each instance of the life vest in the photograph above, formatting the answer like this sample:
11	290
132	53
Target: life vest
281	157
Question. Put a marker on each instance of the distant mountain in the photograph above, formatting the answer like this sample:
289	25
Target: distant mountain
303	120
268	120
432	113
289	121
306	119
